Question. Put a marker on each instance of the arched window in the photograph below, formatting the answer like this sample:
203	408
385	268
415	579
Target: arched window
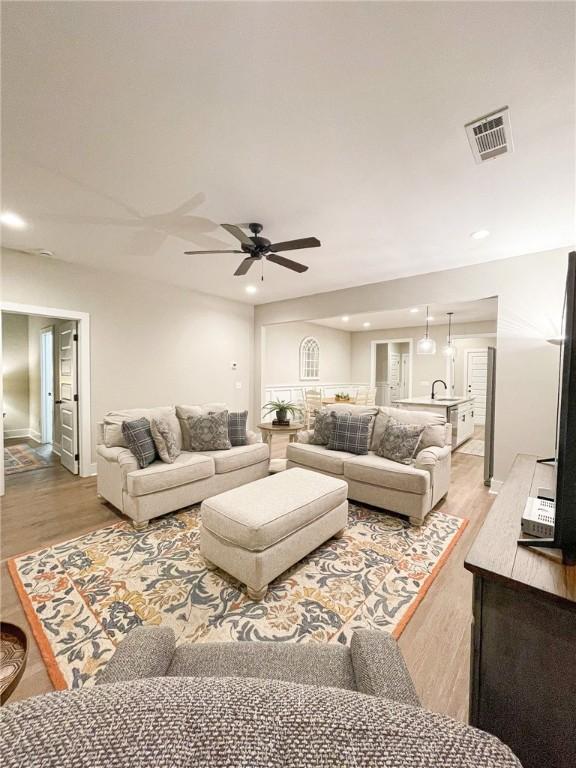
309	358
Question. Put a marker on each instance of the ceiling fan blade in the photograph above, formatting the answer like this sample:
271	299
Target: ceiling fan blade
284	262
245	265
238	234
293	245
191	253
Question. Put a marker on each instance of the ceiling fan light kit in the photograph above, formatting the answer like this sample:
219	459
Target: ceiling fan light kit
426	345
258	248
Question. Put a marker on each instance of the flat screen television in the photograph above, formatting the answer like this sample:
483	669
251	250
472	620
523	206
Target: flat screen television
565	522
565	508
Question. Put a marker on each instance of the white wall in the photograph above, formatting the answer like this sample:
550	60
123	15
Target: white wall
425	368
15	374
282	353
151	343
530	291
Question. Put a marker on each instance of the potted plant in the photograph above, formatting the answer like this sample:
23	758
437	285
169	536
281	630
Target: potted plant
282	409
342	397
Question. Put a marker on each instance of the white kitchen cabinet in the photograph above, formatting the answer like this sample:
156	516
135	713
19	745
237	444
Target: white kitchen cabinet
462	420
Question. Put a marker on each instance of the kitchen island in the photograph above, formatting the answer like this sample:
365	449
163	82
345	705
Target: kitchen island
459	411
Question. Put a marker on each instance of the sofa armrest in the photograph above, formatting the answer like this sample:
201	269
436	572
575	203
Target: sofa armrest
123	456
253	437
379	667
429	457
304	435
144	652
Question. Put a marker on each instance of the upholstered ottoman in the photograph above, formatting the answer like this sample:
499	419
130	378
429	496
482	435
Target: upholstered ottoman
257	531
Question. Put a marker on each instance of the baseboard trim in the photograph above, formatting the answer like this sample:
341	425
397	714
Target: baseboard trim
92	470
36	436
8	433
56	449
495	486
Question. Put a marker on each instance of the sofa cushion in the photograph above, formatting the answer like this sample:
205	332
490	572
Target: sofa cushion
187	468
113	436
323	426
238	457
351	433
139	441
257	515
399	442
237	427
209	432
385	473
434	423
183	411
318	457
164	440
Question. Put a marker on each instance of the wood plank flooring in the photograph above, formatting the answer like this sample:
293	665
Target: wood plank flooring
49	505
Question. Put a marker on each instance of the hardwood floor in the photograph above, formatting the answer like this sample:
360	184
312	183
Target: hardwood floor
49	505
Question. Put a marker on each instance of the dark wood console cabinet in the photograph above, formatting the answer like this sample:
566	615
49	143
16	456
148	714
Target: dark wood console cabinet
523	662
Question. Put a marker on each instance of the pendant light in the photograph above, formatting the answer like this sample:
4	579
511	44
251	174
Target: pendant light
449	350
426	345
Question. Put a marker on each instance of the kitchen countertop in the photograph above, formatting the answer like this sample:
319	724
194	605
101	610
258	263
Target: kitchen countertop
439	401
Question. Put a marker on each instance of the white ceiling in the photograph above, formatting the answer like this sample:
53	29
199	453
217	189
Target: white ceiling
130	128
464	312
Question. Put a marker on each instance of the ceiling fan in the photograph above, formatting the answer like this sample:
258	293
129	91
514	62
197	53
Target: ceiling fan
259	248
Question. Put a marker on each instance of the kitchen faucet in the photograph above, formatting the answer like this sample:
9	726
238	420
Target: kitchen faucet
438	381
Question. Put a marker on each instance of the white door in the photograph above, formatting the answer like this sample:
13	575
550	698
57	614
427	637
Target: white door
47	384
394	375
405	374
68	395
476	381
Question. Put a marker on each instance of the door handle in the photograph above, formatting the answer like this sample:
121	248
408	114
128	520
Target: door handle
58	402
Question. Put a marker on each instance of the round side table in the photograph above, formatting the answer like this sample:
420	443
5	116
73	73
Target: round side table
269	430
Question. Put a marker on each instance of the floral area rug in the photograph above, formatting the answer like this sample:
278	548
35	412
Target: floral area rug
82	596
21	458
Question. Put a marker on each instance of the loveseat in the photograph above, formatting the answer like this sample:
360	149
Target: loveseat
408	489
143	494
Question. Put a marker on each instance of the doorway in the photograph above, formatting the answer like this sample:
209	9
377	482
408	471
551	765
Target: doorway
47	392
391	370
47	385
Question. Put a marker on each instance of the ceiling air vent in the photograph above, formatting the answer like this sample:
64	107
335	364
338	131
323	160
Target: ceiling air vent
490	136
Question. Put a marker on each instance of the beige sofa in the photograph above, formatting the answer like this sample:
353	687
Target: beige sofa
143	494
411	490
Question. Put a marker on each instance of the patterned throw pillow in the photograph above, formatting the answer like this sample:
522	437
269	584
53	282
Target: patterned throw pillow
351	433
209	432
164	440
237	428
400	441
139	440
323	426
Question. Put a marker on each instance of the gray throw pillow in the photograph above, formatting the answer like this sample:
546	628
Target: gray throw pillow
209	432
237	428
399	441
164	440
351	433
323	426
139	440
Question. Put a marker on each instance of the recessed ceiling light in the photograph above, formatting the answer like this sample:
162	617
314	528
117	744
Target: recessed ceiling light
251	289
366	324
345	319
414	310
480	235
430	318
12	220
